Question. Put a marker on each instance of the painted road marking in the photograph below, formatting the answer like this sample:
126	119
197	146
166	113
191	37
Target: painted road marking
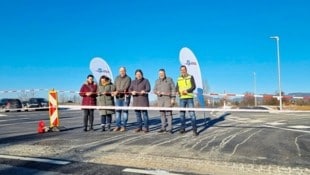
299	127
50	161
275	123
19	123
14	119
286	129
2	115
151	172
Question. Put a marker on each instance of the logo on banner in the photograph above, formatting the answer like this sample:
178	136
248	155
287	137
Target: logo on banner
100	70
99	67
189	63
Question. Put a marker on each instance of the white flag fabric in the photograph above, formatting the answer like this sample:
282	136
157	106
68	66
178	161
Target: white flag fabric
99	67
188	59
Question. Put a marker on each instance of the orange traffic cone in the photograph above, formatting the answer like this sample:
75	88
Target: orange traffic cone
41	126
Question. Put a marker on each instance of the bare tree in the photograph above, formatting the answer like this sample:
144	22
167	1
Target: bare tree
206	87
25	95
206	90
76	98
248	99
62	98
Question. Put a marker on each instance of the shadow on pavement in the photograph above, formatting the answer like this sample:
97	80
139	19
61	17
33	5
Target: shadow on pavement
206	122
211	122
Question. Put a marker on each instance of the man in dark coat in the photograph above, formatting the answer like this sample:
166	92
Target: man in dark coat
139	88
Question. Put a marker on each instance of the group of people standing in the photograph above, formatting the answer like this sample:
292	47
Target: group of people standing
119	94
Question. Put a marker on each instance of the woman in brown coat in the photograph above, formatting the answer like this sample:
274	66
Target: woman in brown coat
139	88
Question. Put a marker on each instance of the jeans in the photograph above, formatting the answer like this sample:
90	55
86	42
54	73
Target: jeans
145	121
121	120
88	116
106	119
188	102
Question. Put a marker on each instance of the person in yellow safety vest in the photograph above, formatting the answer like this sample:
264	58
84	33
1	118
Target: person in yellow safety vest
184	88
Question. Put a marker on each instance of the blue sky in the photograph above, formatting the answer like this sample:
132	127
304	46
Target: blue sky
49	44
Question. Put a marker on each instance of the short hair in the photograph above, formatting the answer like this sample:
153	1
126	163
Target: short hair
123	67
162	70
90	75
183	66
139	70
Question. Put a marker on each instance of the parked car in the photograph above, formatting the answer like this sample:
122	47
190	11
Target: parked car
10	104
36	103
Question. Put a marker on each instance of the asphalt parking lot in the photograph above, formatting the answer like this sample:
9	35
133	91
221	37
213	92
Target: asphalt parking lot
228	143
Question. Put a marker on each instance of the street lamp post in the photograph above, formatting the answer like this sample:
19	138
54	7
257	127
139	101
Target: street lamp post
279	70
255	100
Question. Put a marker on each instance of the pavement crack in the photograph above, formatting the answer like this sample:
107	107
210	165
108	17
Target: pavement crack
204	147
230	137
297	145
245	140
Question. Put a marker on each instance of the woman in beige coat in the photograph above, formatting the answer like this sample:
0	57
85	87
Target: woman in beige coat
105	98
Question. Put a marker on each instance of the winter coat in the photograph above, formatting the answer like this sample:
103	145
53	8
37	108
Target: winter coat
106	99
141	100
165	91
122	85
88	100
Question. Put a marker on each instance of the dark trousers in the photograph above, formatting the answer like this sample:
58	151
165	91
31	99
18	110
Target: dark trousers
106	119
88	117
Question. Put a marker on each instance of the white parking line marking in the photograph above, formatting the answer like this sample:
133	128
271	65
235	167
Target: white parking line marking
51	161
151	172
275	123
286	129
14	119
19	123
299	127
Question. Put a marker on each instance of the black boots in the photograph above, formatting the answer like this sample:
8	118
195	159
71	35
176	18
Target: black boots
195	133
104	127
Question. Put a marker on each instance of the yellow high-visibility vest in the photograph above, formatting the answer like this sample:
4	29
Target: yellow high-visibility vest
184	83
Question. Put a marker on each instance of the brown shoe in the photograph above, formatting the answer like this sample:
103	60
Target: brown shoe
138	130
116	129
123	129
145	130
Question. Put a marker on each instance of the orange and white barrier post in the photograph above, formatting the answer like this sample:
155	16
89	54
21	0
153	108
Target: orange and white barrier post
53	109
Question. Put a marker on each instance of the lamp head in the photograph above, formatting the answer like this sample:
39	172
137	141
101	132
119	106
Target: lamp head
275	37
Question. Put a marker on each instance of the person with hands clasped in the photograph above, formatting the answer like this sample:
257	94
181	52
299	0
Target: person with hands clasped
106	98
165	91
122	84
88	92
139	88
